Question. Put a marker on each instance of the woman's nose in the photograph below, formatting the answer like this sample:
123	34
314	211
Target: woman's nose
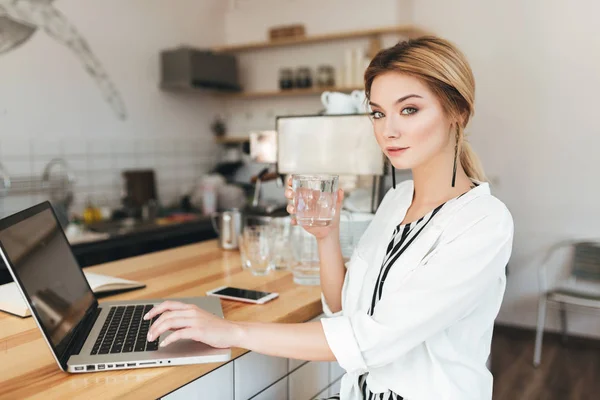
392	127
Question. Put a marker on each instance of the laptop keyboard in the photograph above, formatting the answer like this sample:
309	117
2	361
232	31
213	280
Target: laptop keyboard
125	331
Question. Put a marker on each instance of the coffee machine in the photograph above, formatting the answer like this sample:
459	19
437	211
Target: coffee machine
342	144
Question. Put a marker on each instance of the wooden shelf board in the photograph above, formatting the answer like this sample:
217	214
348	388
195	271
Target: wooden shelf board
288	93
231	140
408	30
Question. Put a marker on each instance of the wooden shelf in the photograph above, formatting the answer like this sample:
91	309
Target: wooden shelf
231	140
288	93
407	30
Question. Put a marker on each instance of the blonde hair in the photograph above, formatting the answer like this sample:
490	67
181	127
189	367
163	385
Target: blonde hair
445	70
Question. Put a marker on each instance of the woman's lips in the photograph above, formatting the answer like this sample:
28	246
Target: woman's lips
396	151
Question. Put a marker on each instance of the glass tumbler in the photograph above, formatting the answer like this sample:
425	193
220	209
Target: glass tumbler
315	197
257	239
282	252
242	249
305	265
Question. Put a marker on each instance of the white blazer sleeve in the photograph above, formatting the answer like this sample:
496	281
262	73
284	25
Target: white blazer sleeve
436	295
326	310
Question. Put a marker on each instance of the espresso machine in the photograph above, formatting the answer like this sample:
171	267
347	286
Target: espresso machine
342	145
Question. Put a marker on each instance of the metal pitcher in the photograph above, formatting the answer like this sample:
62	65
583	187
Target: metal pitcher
228	225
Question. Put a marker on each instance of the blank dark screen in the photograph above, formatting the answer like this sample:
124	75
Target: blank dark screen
44	264
243	293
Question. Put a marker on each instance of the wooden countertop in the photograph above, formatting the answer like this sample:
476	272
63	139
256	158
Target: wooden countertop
27	368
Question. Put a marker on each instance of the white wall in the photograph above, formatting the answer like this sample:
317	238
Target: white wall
50	106
536	65
250	20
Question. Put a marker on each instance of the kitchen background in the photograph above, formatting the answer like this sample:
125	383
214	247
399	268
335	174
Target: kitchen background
536	65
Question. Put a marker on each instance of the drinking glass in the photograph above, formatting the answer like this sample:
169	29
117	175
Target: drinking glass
242	249
257	239
305	265
281	242
315	197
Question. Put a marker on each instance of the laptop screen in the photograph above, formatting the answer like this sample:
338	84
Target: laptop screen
41	259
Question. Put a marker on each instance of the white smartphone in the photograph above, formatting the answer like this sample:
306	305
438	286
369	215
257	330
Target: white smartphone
245	295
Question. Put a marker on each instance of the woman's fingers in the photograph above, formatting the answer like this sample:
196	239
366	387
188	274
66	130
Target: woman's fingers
168	305
340	197
289	193
169	324
172	314
186	333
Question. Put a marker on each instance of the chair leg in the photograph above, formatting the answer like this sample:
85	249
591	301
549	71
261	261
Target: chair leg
563	323
541	322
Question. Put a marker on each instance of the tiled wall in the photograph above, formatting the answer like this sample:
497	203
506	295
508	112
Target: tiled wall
97	164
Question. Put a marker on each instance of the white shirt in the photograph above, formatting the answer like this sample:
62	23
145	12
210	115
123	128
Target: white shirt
431	332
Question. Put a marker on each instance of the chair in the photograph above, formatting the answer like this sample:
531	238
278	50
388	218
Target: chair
581	288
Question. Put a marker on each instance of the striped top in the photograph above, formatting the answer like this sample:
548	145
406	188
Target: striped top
402	237
433	300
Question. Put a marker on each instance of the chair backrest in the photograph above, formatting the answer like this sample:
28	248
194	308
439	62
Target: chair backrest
586	261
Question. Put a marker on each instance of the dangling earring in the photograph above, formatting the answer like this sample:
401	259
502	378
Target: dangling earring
455	157
394	177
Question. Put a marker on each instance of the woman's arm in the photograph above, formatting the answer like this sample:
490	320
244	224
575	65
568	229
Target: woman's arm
305	341
332	270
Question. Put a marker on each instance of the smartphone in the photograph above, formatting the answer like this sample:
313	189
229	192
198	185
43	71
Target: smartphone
245	295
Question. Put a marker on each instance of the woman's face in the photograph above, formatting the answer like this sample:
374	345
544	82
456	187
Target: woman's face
410	124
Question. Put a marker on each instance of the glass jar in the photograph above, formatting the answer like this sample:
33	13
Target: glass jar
286	79
325	76
303	78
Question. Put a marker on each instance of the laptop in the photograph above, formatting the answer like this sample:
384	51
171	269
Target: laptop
83	335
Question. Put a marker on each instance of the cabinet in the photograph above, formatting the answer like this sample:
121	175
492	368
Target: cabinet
323	395
335	387
295	364
278	391
335	371
216	385
254	372
259	377
308	381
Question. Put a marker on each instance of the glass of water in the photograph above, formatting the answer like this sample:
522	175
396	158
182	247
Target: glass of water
305	266
242	249
315	197
281	242
257	239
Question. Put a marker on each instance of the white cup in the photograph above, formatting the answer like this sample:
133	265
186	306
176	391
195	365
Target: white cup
338	103
360	101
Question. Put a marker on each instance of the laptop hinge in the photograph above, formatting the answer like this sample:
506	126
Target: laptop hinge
78	341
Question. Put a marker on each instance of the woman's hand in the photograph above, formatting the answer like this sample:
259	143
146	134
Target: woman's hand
320	232
190	322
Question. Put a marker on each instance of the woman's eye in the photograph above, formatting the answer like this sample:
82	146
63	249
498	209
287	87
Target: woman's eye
408	111
377	114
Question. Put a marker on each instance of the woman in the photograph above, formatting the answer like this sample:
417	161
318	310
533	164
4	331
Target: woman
412	314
